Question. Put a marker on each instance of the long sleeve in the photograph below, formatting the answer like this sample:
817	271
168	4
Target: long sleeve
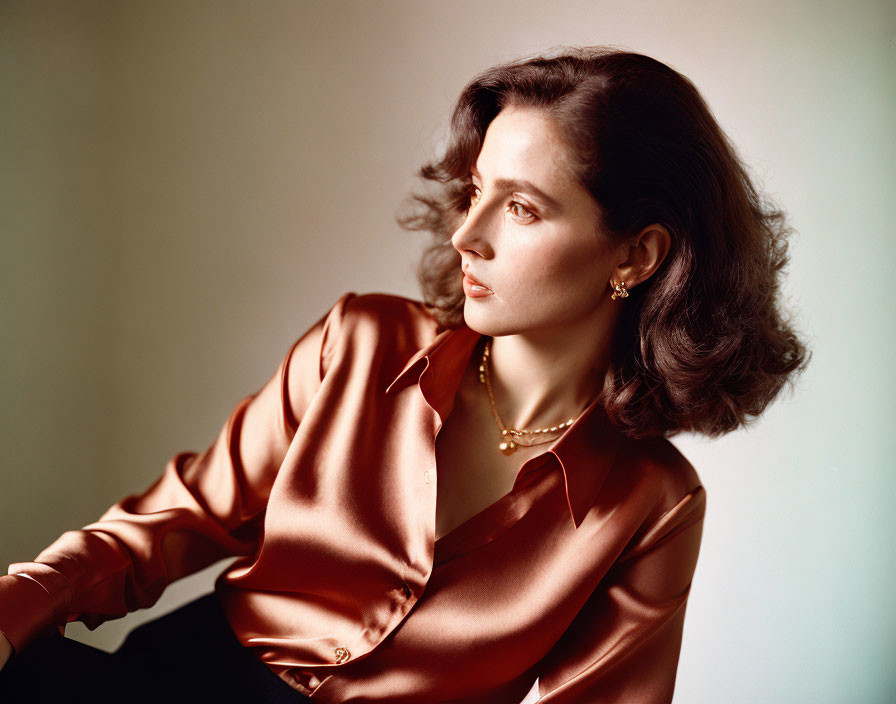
204	507
623	646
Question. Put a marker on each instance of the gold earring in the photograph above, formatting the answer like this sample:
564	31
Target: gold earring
620	291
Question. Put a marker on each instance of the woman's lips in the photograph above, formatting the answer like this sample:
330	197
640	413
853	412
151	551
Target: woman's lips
474	289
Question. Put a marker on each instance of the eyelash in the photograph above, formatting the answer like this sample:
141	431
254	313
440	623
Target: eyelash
471	192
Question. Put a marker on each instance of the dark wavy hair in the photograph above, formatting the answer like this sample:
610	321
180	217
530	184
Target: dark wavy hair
702	345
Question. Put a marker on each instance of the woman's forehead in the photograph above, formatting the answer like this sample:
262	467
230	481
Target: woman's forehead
523	147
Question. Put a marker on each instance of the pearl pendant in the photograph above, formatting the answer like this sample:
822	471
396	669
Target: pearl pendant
508	447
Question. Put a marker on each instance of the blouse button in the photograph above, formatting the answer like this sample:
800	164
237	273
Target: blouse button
342	655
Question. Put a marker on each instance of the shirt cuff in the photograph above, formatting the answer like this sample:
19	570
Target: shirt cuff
27	611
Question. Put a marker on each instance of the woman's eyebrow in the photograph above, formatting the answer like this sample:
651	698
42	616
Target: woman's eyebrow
513	184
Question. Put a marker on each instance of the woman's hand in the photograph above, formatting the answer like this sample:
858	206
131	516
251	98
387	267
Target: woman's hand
5	650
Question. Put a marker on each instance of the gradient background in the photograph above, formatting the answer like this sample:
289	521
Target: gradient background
187	186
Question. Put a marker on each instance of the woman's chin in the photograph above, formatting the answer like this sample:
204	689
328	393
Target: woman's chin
476	319
485	322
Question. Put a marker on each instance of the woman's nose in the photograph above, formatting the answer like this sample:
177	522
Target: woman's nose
473	234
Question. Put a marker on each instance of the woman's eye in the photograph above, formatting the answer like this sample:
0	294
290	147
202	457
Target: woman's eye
517	209
521	211
475	196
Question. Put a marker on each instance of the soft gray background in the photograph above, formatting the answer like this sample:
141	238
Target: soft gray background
187	186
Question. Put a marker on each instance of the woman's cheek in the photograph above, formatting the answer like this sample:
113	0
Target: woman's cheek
553	266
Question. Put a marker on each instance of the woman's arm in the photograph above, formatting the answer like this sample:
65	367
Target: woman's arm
623	646
204	507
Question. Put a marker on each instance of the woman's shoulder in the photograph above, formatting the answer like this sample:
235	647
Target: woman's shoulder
661	469
383	326
389	305
385	315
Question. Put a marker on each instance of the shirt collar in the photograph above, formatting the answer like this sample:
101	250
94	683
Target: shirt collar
585	451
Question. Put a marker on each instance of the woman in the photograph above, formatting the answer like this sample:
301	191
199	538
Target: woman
471	497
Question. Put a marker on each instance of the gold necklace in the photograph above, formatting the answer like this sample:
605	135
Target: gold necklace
511	437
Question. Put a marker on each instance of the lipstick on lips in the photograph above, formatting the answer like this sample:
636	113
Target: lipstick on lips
474	289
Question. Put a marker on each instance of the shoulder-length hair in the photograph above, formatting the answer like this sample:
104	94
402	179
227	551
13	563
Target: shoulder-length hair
702	345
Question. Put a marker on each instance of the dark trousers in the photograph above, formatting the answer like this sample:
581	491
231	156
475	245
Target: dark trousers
188	655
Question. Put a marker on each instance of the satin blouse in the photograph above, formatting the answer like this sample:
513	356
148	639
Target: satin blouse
323	485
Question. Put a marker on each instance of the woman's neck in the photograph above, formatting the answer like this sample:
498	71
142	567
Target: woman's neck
541	379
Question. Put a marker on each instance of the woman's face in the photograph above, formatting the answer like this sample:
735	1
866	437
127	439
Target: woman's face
531	234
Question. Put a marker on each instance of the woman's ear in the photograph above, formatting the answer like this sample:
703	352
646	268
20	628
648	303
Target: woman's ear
642	254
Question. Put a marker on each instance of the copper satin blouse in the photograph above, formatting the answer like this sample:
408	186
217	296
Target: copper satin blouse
324	483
